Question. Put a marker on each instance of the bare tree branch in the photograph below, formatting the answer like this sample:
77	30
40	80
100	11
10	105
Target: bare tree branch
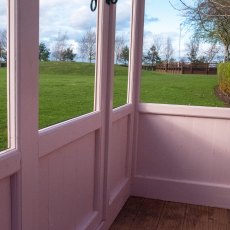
88	45
210	20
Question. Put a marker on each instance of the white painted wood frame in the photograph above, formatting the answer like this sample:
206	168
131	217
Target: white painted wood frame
78	174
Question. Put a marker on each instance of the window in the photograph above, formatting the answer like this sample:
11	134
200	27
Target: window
67	53
3	75
169	75
121	56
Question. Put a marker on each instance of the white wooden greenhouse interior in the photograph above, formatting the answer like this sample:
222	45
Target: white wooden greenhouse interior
79	173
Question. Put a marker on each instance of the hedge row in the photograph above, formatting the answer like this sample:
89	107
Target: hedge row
224	77
2	64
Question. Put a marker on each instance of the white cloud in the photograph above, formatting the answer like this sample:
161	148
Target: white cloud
71	17
75	17
3	13
123	19
83	18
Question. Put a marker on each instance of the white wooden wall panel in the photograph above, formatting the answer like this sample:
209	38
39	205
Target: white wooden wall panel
118	156
43	194
5	204
180	147
62	174
9	163
67	186
183	155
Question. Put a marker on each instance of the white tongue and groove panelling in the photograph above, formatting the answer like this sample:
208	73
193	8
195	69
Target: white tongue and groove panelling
183	154
5	204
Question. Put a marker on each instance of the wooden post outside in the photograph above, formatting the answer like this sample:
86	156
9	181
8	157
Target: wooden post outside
191	68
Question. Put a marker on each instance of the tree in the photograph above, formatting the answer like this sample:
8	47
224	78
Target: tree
59	47
119	45
193	49
62	51
158	42
124	56
210	20
3	44
88	45
68	54
168	50
152	56
211	52
44	52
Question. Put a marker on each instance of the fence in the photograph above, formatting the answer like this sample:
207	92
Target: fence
3	64
184	68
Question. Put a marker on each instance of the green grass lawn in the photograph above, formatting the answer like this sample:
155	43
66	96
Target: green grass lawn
179	89
67	91
72	91
3	109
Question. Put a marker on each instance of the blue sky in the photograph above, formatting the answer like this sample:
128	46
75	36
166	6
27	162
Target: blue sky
168	18
74	18
166	24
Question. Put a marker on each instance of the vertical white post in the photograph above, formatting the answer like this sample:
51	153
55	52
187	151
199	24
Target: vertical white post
27	24
11	78
104	87
135	67
109	99
100	96
12	115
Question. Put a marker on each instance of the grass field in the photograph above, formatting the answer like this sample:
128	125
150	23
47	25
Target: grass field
179	89
67	89
3	109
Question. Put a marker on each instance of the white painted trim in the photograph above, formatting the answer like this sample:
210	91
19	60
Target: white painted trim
11	73
16	220
183	110
118	189
121	112
9	163
116	204
135	66
56	136
138	11
101	101
92	222
108	101
192	192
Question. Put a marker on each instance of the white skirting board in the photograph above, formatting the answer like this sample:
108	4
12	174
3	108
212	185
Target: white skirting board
192	192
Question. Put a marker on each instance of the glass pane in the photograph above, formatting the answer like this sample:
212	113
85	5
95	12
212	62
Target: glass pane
121	56
169	75
3	75
67	52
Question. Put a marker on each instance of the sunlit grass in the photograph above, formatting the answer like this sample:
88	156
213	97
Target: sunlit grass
179	89
67	91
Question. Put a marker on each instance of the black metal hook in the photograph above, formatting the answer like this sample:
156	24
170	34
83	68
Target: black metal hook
114	1
111	1
93	5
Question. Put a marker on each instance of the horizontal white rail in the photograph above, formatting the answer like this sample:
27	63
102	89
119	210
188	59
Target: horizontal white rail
56	136
183	110
121	112
9	163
